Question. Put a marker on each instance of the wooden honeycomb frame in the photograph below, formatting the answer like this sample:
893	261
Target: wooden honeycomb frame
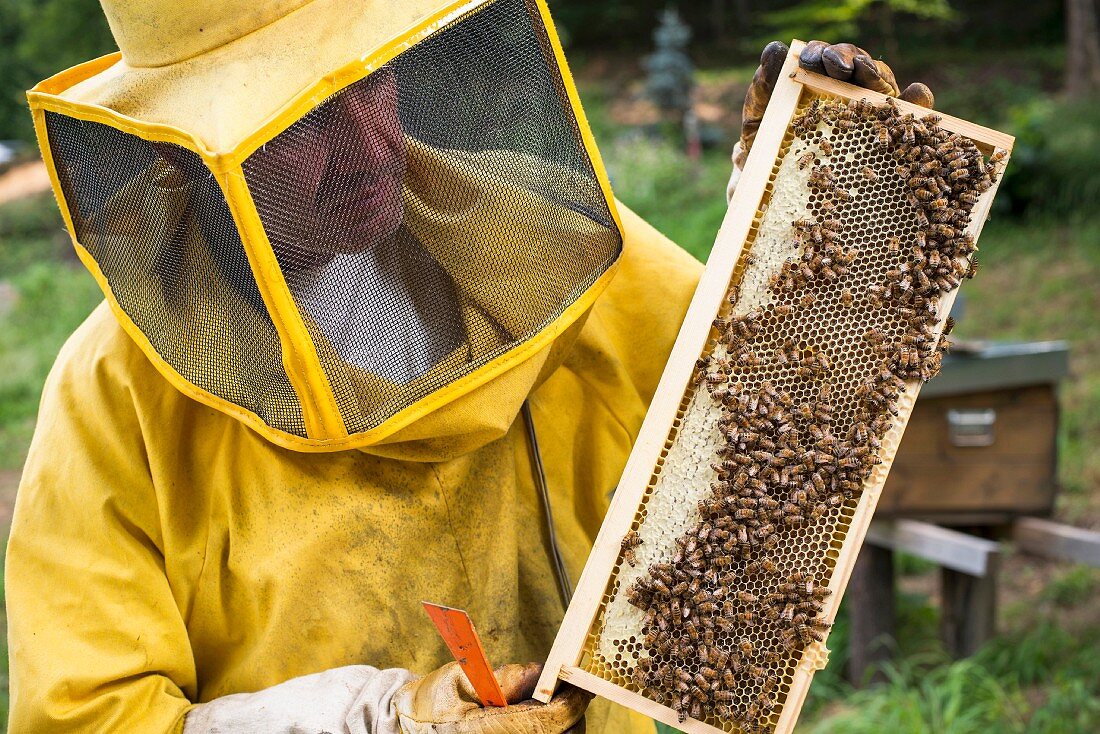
571	658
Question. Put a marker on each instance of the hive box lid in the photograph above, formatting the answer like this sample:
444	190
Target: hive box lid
986	366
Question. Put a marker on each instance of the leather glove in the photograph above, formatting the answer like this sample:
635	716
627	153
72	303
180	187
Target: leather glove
444	702
844	61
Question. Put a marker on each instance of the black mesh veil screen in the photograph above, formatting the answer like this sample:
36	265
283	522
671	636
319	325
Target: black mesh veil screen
155	220
435	214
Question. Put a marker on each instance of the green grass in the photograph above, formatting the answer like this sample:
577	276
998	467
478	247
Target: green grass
683	199
47	300
1074	587
1040	680
44	295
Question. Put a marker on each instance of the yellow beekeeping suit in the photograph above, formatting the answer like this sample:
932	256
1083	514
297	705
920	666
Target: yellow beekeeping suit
163	553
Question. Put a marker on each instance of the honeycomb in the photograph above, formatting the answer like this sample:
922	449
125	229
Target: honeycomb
724	584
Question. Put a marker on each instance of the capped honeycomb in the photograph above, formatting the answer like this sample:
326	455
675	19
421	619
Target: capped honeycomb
724	585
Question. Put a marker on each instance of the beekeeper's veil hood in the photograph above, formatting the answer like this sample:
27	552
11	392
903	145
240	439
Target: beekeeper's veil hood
345	224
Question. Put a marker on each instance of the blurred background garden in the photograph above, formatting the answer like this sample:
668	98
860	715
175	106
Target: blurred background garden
663	92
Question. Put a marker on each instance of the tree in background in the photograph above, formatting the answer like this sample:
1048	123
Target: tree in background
833	19
670	78
1082	48
39	38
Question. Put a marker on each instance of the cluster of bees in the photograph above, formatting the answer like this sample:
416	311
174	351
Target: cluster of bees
693	616
787	463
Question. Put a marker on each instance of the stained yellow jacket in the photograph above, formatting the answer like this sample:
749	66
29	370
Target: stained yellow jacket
162	553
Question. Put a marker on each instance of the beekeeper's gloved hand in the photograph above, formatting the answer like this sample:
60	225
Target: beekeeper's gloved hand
443	702
844	61
359	699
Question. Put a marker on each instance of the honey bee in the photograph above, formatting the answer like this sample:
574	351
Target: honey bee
760	566
764	530
826	147
869	173
806	160
841	194
679	708
631	541
929	167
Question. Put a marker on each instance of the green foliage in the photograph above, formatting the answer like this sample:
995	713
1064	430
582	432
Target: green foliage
1076	586
39	38
684	200
837	19
910	565
1042	679
44	295
926	694
1055	167
848	19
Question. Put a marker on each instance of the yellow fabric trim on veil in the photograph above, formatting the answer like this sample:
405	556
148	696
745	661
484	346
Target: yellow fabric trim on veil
459	194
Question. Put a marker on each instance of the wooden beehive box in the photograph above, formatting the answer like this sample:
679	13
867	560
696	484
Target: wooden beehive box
981	445
706	600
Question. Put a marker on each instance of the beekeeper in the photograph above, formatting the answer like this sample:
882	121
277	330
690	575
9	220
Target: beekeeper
375	332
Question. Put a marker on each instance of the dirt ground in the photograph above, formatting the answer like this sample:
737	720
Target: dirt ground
25	179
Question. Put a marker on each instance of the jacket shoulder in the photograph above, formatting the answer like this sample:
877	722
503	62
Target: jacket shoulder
621	353
99	347
100	365
643	309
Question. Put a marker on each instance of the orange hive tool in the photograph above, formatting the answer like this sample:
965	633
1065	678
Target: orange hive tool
458	632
